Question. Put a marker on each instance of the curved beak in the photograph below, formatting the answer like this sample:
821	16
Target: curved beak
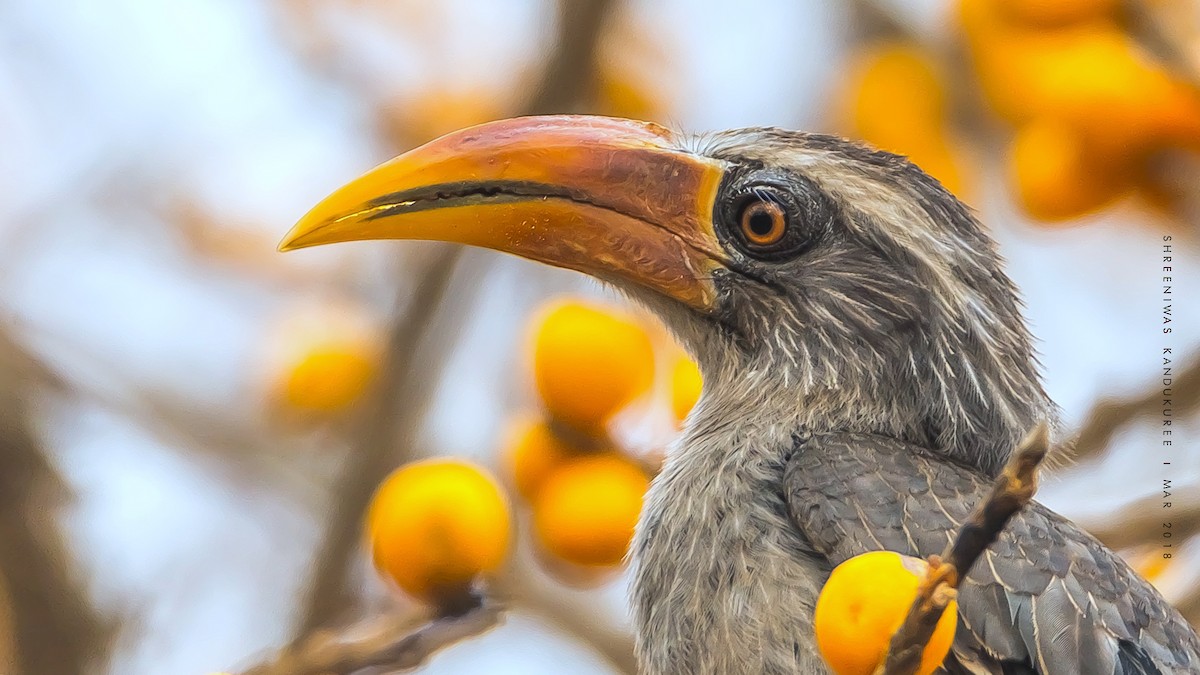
616	199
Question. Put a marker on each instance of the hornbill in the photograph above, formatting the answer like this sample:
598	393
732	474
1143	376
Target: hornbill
867	371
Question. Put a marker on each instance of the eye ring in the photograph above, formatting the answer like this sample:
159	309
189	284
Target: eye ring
763	222
770	216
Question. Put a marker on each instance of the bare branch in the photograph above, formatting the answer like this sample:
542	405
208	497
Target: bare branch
383	439
1109	417
1142	520
1152	25
54	628
399	406
1189	606
384	642
520	587
570	64
1011	492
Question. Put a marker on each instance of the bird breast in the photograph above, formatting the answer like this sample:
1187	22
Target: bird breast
723	582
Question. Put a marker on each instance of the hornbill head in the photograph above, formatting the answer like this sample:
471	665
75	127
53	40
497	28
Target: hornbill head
817	282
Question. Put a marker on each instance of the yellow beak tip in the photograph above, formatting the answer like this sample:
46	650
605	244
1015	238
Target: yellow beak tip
298	237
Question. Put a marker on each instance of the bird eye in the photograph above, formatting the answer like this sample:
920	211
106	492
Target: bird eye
763	222
771	216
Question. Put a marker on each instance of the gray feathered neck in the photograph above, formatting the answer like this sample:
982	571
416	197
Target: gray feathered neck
903	323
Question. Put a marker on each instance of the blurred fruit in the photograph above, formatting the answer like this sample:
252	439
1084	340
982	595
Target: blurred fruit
330	377
624	94
896	90
1091	76
534	451
1050	13
1150	564
434	525
635	66
862	605
589	363
1054	178
439	111
686	384
896	100
586	509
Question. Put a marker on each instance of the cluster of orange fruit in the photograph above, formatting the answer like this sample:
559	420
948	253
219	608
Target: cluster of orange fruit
1091	108
434	526
585	492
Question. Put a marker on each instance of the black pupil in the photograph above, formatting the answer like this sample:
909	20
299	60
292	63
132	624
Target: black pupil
761	221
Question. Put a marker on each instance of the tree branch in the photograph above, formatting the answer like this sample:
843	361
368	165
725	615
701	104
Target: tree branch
54	628
1189	606
1142	520
570	64
384	642
384	438
1108	417
398	408
521	587
1011	492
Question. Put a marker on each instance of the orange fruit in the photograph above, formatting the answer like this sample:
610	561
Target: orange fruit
438	111
588	363
862	605
534	451
586	509
895	89
686	384
896	100
1050	13
626	93
433	526
1091	75
330	377
1054	177
1151	565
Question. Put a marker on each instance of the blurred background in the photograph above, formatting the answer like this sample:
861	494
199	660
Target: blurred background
192	425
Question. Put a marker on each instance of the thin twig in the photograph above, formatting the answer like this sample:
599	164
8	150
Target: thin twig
384	642
1011	492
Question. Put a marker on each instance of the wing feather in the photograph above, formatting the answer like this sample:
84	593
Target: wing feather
1047	598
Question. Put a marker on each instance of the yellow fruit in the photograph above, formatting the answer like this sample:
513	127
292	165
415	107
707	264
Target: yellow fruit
896	101
1090	75
434	525
589	363
439	111
330	377
1049	13
534	451
863	604
894	89
686	384
587	508
626	94
1151	565
1055	178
